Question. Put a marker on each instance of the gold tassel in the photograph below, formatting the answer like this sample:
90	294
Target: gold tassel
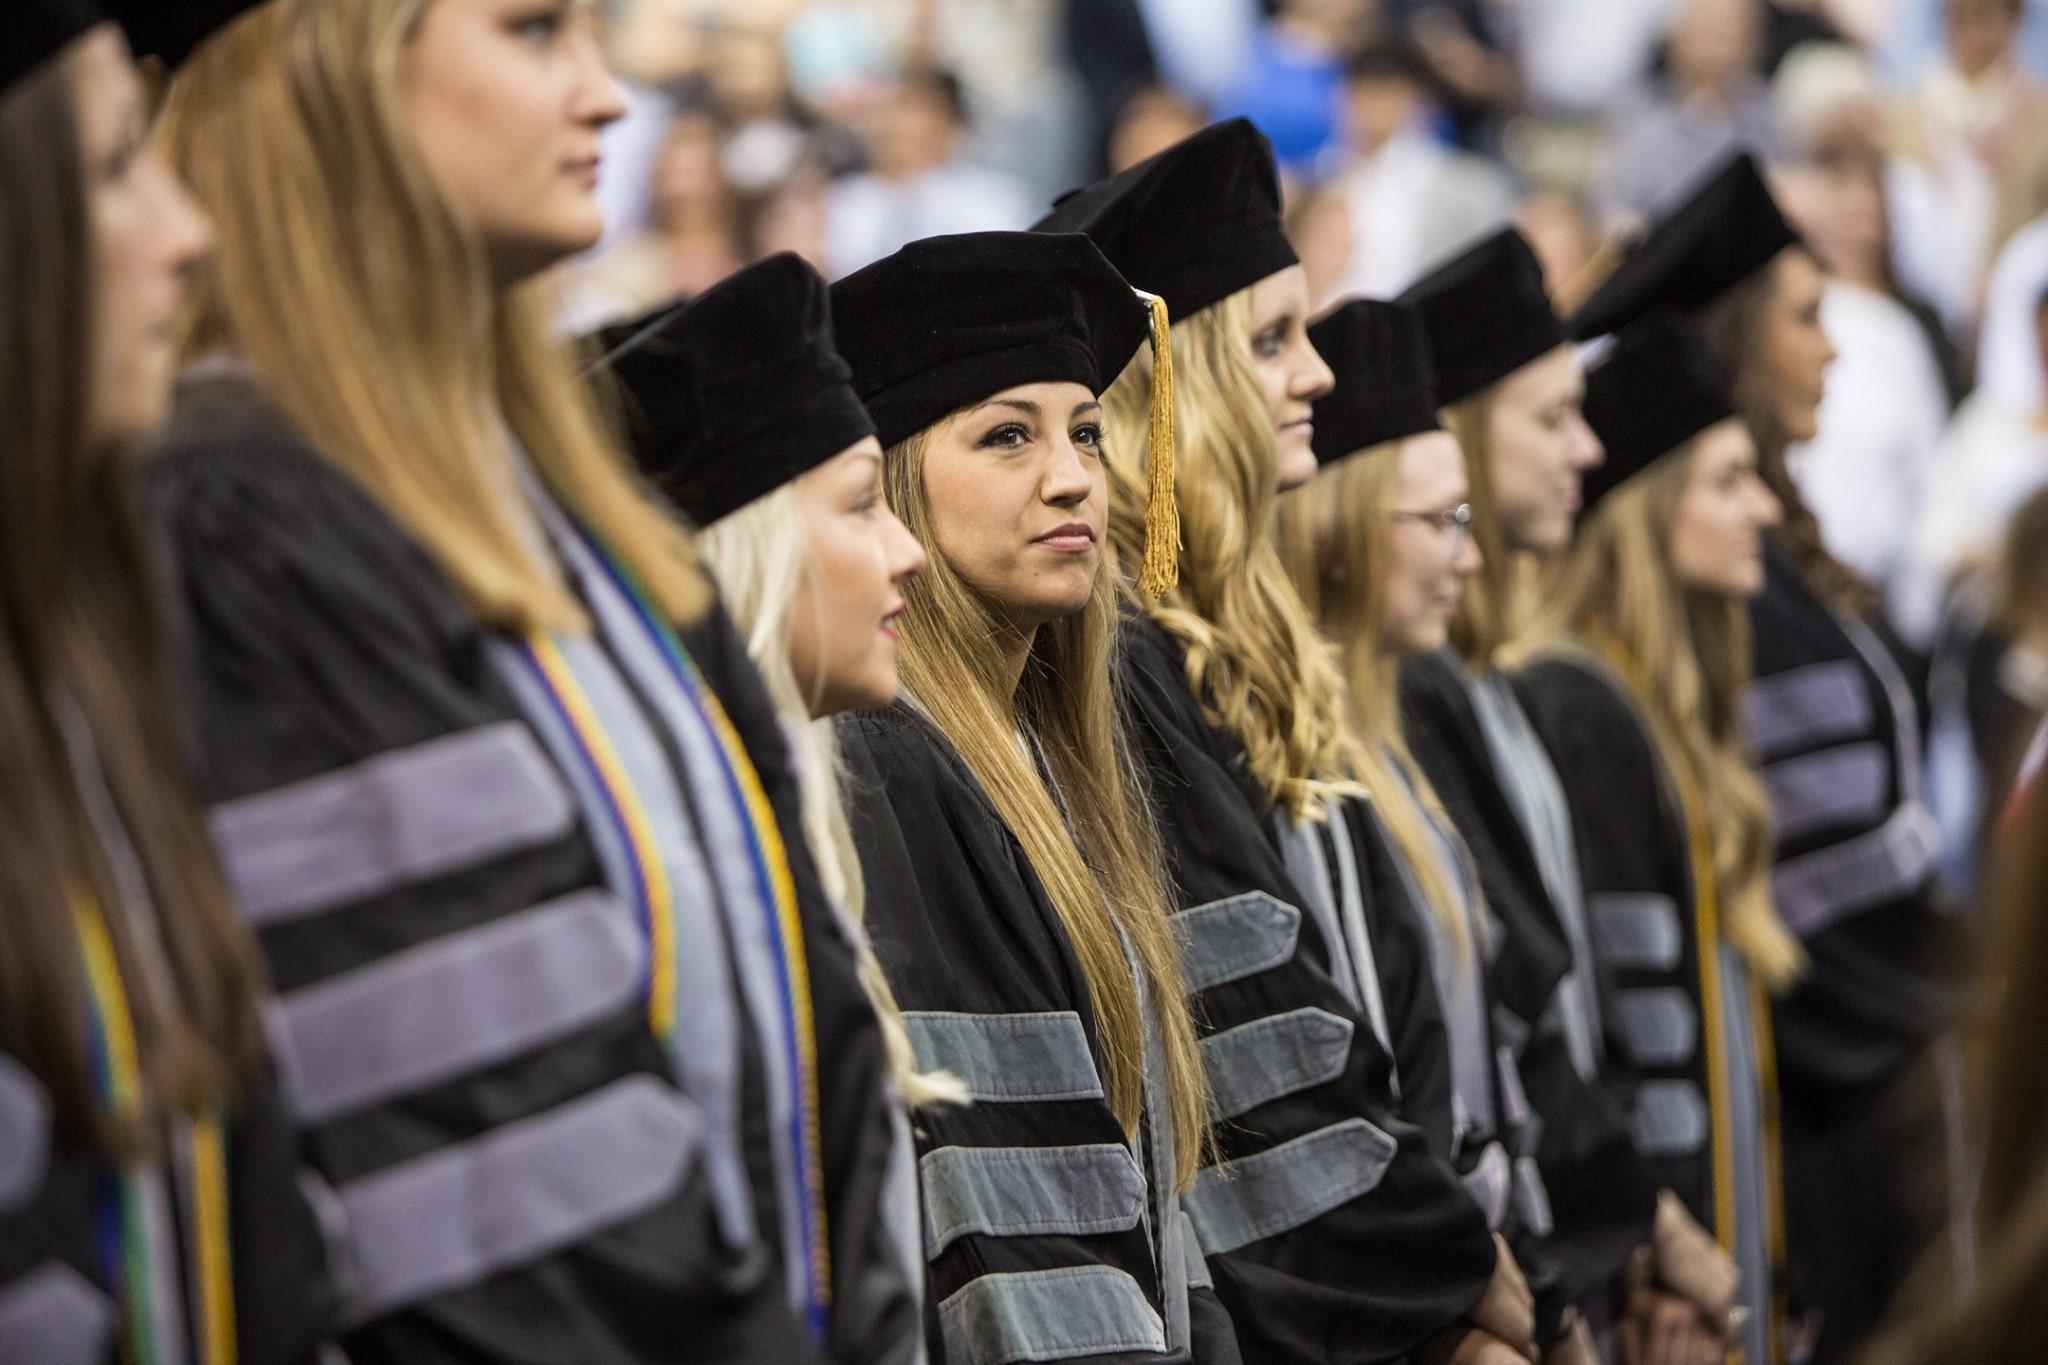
1161	571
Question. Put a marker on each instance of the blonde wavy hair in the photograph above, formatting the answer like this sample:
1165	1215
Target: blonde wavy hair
1253	657
1084	825
1333	536
1684	654
760	558
364	305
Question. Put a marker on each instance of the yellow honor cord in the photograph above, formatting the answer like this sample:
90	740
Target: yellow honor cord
1160	572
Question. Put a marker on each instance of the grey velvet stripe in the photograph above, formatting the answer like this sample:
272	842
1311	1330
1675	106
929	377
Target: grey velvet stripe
1241	936
1008	1057
1659	1025
1843	786
54	1316
400	817
1048	1315
1817	889
1194	1263
455	1005
1669	1119
460	1214
1247	1200
1637	931
1029	1191
1803	708
1258	1062
24	1135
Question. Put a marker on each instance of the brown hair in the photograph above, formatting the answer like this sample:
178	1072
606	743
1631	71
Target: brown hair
1734	331
77	628
1083	823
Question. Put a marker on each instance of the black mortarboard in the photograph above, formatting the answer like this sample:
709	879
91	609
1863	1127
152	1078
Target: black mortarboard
948	321
172	30
1384	390
738	391
1720	235
1655	390
1486	315
1194	224
37	30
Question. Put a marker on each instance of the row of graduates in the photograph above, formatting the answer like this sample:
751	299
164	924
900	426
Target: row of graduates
1121	975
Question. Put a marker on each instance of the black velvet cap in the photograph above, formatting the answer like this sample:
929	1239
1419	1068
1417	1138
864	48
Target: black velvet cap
37	30
172	30
738	391
1384	391
1657	389
1486	315
948	321
1194	224
1720	235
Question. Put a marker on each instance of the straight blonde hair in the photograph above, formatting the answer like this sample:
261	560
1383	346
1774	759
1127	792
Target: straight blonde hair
1333	537
1497	601
760	557
1253	657
364	306
1084	824
1685	657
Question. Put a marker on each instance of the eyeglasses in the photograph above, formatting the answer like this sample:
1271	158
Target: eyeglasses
1457	521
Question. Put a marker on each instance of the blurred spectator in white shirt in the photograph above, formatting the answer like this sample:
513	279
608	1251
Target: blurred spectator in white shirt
1413	200
919	184
1971	118
1706	104
1579	56
1867	470
2006	362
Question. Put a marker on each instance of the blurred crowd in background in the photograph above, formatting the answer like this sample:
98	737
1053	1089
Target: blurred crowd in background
1908	139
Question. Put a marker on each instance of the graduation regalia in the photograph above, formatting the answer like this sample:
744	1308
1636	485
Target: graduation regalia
1367	1245
1836	733
1050	1233
477	984
1486	316
1866	1152
1047	1230
1688	1028
1680	1006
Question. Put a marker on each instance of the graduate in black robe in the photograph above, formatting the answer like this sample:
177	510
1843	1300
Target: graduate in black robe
575	1044
1673	828
1290	921
1863	1079
1496	346
1014	890
149	1201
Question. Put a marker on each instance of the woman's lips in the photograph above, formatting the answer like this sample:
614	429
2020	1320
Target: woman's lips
1072	538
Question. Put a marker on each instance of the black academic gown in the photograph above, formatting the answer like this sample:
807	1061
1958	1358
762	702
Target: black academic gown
1365	1245
1674	998
1834	728
1602	1197
407	848
1050	1235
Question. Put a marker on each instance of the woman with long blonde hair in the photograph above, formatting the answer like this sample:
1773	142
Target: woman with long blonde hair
741	410
1378	546
489	770
1866	1089
1331	1228
1015	892
149	1207
1633	677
